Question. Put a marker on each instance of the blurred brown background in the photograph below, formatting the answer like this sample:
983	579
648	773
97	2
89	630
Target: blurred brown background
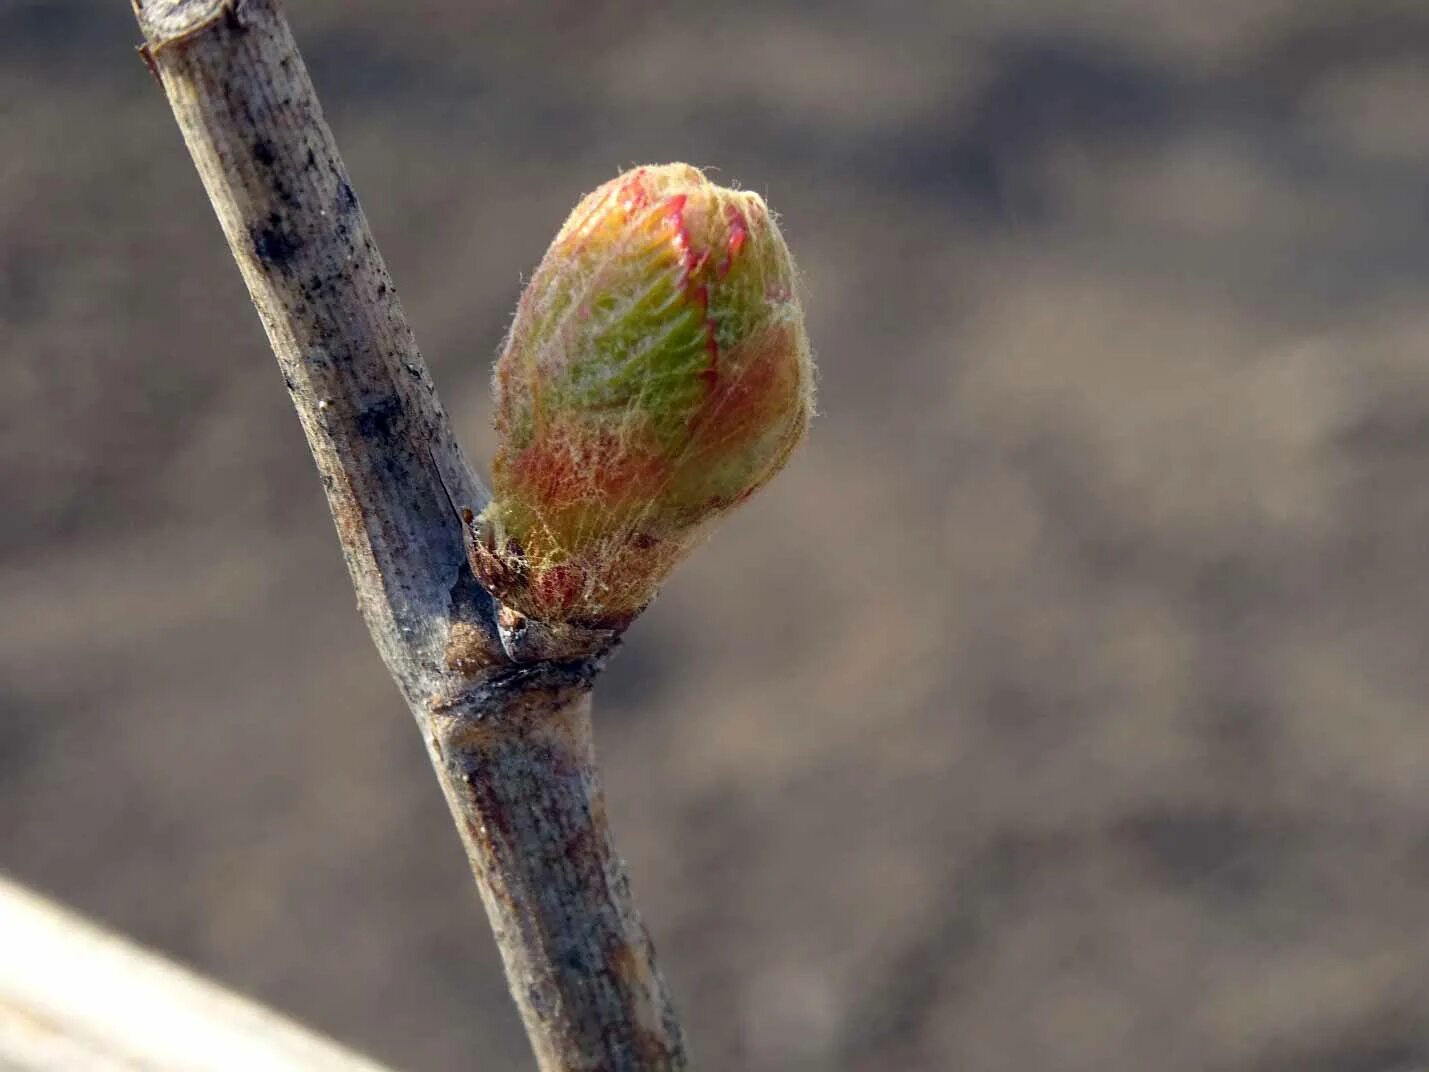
1063	707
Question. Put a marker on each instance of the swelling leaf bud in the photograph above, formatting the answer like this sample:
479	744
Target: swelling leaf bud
656	375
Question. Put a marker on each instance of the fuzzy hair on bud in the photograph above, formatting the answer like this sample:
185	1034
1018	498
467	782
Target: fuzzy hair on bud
657	374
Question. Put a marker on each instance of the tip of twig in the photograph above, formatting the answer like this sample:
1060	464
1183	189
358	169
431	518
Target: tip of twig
167	22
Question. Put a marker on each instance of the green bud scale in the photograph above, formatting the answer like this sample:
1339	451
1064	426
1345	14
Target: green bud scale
657	373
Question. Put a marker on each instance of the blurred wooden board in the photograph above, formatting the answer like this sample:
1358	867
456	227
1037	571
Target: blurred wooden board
76	998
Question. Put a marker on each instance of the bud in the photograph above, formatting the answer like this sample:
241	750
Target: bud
657	373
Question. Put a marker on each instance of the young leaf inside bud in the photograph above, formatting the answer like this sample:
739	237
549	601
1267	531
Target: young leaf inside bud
657	373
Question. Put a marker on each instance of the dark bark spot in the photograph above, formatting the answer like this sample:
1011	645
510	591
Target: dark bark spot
573	960
377	420
234	20
263	152
273	245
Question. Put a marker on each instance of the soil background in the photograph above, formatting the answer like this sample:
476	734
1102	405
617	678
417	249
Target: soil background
1063	707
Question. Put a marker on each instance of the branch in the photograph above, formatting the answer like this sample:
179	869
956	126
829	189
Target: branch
510	742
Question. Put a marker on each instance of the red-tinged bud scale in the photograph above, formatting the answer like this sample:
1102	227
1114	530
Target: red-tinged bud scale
657	373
